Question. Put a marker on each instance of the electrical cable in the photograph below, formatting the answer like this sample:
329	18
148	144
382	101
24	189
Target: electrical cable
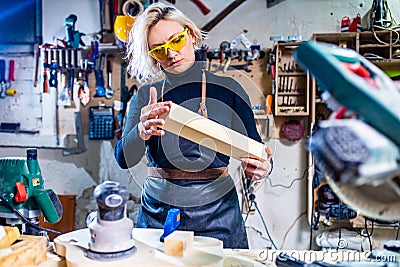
313	218
265	226
39	228
248	211
398	231
290	228
368	233
340	227
258	232
291	182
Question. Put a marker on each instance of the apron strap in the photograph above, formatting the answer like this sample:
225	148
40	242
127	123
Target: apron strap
203	108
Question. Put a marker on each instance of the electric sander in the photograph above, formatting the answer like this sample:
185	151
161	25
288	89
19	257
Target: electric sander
111	229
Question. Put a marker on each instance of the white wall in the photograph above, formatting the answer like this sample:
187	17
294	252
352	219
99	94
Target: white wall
284	209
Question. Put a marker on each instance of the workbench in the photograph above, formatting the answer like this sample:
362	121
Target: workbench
211	250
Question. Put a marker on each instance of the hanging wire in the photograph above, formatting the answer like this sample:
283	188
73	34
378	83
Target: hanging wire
25	219
265	226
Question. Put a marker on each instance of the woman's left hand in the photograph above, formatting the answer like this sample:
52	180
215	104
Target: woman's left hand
257	169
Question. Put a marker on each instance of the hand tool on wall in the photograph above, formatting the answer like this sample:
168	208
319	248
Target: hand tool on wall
64	97
9	90
4	85
53	80
11	71
99	73
83	91
210	25
109	90
36	55
204	9
70	83
106	15
244	67
45	82
73	37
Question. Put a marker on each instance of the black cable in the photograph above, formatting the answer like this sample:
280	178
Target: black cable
26	220
368	233
265	226
355	229
248	211
340	226
314	218
398	231
291	183
312	225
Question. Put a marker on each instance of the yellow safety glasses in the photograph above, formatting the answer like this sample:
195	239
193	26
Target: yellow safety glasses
176	43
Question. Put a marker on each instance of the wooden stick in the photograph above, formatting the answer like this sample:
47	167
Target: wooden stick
210	25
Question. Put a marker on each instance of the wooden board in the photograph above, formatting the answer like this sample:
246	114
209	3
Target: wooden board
212	135
27	251
150	251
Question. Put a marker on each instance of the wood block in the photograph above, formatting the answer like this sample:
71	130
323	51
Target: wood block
27	251
212	135
179	243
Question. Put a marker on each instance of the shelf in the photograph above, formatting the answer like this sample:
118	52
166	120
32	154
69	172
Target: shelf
291	94
364	43
374	46
292	114
292	74
263	116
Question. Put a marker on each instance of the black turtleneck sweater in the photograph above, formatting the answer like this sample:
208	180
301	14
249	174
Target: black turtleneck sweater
227	103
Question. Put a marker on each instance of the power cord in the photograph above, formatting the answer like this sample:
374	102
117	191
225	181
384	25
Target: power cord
290	228
39	228
291	182
253	202
398	231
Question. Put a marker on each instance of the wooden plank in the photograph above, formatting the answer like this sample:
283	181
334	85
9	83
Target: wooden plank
212	135
27	251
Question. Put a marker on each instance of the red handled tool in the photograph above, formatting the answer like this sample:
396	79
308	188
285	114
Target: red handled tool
109	90
11	71
4	85
204	9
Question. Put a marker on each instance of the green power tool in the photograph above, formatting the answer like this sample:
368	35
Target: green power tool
23	197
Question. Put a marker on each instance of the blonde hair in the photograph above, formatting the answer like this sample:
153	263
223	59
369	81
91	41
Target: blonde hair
141	65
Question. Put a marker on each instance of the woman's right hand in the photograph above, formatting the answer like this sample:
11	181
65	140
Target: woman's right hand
153	116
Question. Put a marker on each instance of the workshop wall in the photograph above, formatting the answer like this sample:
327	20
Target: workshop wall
282	199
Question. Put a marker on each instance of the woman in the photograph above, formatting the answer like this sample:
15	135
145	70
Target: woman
181	173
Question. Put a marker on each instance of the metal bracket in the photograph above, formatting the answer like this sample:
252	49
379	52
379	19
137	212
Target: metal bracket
75	138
